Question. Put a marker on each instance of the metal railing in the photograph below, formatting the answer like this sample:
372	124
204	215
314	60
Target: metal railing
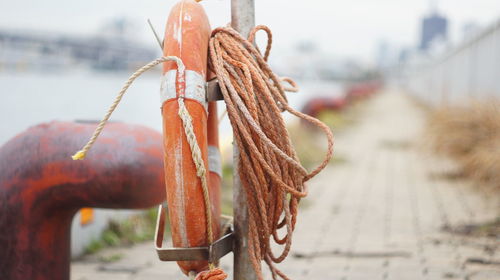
469	71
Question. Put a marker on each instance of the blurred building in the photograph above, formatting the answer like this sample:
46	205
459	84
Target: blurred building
459	72
470	29
22	50
434	27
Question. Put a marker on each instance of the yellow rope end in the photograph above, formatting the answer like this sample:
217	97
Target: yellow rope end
79	155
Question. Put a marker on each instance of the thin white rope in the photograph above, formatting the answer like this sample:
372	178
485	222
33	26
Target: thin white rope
187	122
83	152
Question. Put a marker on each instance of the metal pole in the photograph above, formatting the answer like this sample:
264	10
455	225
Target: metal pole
243	16
243	20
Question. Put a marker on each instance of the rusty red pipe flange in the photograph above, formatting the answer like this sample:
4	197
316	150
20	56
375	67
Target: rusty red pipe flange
41	188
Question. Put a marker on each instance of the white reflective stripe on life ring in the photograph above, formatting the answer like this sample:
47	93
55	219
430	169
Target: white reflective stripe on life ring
195	87
214	160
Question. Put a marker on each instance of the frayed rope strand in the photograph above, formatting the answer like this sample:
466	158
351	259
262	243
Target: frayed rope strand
196	154
80	155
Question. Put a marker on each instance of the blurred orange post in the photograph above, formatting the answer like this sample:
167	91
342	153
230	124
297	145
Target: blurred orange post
86	216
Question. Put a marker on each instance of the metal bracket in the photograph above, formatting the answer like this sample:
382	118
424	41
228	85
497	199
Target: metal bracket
213	91
212	253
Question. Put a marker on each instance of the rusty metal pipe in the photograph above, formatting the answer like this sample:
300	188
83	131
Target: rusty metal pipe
41	189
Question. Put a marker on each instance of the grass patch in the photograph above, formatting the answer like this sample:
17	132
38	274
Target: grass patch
395	144
489	229
309	150
94	246
135	229
305	204
452	175
469	133
310	143
111	258
227	189
340	120
338	159
334	119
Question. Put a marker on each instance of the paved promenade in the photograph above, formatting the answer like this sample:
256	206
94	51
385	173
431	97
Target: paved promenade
383	213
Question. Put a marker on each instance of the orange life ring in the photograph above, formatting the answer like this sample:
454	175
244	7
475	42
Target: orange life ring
186	36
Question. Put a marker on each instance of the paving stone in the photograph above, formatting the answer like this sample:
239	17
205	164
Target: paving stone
379	215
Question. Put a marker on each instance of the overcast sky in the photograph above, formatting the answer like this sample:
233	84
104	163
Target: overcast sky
343	27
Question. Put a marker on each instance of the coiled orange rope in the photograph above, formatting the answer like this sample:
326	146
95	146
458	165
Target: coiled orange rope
270	172
269	169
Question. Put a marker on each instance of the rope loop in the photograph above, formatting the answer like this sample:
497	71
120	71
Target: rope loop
270	171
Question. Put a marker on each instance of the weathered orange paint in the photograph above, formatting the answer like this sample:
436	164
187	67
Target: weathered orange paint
213	140
41	188
186	36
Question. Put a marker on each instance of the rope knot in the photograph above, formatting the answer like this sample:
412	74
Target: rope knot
213	274
80	155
